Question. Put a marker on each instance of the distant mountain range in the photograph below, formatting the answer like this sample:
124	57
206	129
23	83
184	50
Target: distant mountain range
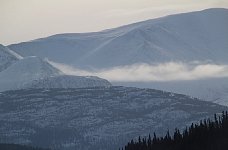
194	36
200	37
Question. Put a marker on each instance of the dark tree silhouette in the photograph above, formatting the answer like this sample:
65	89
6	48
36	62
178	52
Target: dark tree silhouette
206	135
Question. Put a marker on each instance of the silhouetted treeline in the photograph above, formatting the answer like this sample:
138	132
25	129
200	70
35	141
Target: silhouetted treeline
18	147
206	135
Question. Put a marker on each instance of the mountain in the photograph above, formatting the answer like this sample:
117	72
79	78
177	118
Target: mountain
7	57
199	36
194	36
212	89
95	118
34	72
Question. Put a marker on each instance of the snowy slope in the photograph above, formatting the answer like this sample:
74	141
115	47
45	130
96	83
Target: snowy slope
7	57
19	74
191	36
94	118
33	72
66	81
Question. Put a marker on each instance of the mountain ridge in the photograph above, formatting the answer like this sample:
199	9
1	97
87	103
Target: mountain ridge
193	36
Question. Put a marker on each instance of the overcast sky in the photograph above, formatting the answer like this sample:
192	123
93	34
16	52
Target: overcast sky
23	20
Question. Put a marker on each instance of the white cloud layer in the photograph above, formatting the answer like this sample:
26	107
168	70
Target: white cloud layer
158	72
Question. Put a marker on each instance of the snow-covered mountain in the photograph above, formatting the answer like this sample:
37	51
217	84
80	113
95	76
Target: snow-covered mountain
200	36
94	118
194	36
19	74
33	72
7	57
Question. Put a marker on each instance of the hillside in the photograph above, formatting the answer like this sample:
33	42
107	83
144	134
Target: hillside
94	118
18	147
212	89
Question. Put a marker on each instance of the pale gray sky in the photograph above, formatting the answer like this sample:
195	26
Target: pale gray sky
23	20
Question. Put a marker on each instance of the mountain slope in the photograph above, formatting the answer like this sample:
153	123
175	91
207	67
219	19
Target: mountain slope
191	36
94	118
33	72
7	57
67	81
212	89
24	71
